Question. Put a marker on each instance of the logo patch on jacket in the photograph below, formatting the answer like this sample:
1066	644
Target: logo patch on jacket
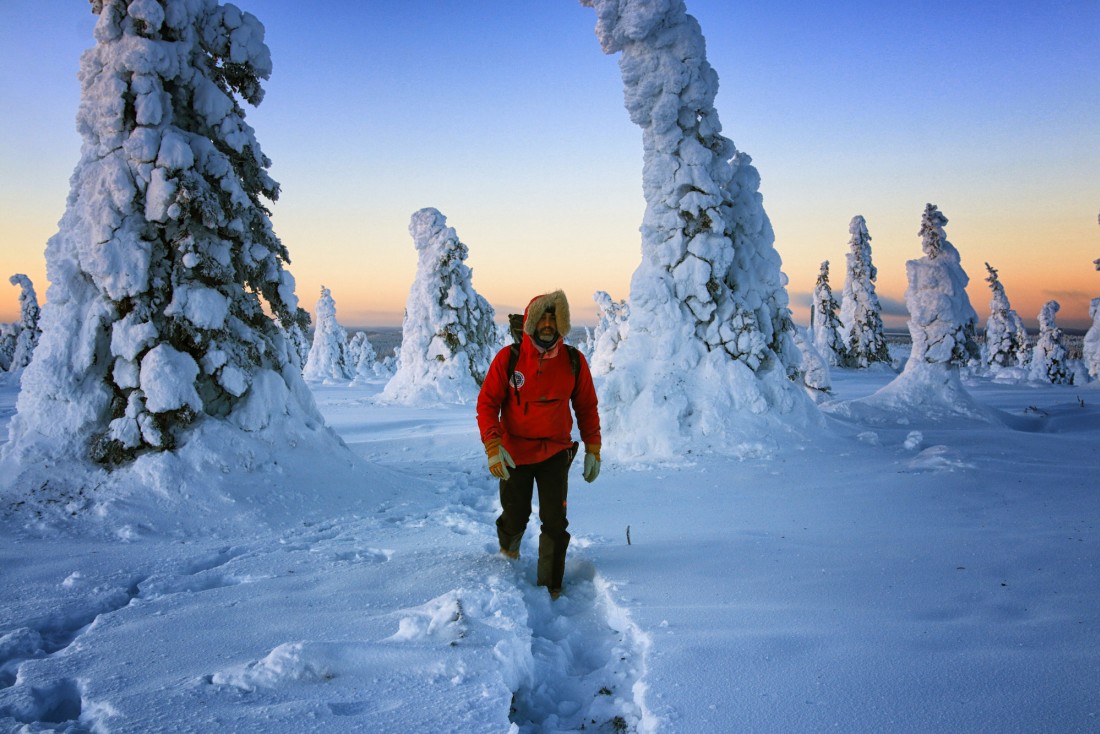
517	379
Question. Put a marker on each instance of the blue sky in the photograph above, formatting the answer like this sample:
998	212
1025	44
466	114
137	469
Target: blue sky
508	118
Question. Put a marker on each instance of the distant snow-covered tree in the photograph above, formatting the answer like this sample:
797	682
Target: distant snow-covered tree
363	359
168	283
826	325
504	335
26	338
860	312
710	350
610	330
328	356
942	323
1091	347
448	337
1049	358
8	335
1005	335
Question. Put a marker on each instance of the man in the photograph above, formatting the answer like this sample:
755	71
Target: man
526	427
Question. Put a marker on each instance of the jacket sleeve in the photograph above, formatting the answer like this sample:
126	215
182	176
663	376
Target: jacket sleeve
494	391
585	405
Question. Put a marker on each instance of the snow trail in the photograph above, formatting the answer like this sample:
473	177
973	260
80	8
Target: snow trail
587	656
587	662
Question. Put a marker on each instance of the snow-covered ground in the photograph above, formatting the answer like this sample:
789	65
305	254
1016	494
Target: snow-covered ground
899	575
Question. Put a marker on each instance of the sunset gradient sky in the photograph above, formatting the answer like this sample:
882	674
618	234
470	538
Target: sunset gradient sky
507	117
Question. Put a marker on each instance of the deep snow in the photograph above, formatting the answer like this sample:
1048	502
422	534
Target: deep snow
890	573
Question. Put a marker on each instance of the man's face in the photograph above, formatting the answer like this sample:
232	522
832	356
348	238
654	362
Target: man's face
547	326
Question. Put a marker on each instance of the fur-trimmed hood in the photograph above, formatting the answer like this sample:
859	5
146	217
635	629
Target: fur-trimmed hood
540	304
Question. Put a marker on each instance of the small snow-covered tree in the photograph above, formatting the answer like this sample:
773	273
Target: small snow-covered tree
610	330
825	323
362	358
168	282
1049	358
942	322
328	357
8	335
26	338
1091	347
1005	335
448	337
710	351
860	313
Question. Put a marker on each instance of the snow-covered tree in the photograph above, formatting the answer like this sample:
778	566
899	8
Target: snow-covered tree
942	326
826	325
448	337
1091	347
8	335
710	349
328	357
942	323
610	330
165	267
1049	358
26	338
1005	335
363	359
860	312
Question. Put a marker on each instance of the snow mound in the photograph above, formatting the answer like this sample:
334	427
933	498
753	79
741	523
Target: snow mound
939	458
933	392
728	410
222	480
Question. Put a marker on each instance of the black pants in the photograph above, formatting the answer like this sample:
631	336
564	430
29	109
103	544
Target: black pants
552	478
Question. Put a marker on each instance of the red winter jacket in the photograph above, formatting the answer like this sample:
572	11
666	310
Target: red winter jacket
537	424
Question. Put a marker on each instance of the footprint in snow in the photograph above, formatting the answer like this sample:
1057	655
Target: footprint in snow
587	657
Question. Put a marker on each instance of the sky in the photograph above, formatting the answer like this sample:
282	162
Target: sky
506	117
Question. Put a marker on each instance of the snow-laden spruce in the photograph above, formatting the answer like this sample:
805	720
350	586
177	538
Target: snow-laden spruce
9	333
363	359
328	357
610	330
448	337
942	326
18	340
860	312
942	323
827	328
710	350
1005	336
1049	358
1090	349
165	266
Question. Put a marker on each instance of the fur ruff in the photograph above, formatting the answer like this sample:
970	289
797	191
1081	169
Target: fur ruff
537	307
